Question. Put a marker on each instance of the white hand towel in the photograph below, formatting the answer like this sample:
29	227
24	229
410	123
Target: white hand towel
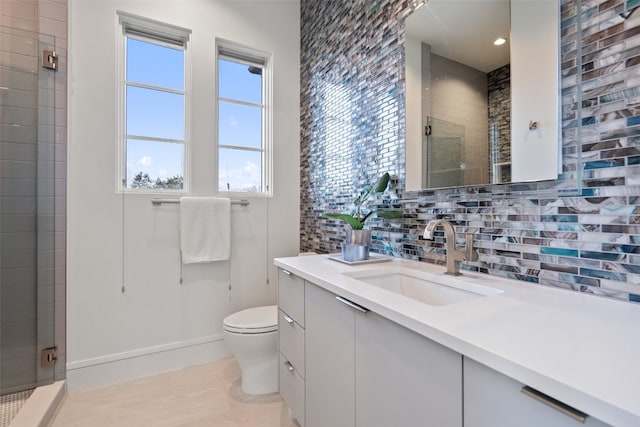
205	229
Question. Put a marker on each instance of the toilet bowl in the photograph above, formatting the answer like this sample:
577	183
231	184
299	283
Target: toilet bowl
252	336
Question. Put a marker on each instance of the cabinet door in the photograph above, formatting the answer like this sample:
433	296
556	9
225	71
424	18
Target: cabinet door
534	91
329	360
291	295
404	379
492	399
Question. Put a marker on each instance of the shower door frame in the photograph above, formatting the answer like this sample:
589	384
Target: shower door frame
28	193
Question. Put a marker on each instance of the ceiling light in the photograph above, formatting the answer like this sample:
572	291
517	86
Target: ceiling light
500	41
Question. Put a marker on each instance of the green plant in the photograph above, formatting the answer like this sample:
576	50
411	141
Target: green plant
356	217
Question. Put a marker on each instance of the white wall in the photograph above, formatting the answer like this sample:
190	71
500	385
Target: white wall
158	324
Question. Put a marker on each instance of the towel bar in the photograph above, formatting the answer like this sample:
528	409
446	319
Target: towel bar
158	202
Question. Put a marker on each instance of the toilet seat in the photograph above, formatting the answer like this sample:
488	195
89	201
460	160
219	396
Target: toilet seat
256	320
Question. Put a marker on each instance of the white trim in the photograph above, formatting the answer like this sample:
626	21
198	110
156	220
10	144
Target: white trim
238	102
188	119
178	35
267	115
145	364
156	88
241	148
94	361
121	123
245	54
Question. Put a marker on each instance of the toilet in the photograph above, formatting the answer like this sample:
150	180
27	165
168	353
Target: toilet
252	336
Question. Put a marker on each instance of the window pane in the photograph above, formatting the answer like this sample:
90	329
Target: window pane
240	170
156	65
235	81
240	125
154	165
154	113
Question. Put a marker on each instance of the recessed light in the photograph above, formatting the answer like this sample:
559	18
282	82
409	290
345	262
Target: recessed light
500	41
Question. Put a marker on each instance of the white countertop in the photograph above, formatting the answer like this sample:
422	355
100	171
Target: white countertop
580	349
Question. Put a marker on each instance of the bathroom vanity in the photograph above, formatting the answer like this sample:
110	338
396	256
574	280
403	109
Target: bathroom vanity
400	343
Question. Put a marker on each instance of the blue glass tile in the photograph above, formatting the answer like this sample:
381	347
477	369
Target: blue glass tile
600	164
568	22
634	298
627	249
559	218
589	13
603	256
570	227
588	281
632	268
618	210
558	251
633	121
633	160
632	4
609	275
588	121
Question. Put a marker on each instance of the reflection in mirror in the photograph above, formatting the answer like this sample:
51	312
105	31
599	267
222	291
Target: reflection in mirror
458	95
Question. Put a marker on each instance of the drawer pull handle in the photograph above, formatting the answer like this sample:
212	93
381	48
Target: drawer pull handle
287	318
555	404
288	273
289	366
352	304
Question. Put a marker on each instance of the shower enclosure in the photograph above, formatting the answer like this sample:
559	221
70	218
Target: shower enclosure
28	214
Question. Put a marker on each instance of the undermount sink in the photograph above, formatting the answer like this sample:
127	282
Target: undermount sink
431	289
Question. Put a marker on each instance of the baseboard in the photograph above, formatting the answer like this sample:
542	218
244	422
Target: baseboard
116	368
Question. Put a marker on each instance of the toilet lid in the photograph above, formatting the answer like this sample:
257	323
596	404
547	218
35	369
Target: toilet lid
254	320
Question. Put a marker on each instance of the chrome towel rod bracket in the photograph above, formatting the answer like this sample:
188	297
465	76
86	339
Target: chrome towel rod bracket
158	202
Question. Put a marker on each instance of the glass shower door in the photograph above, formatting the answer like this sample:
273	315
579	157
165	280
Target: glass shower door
443	153
27	209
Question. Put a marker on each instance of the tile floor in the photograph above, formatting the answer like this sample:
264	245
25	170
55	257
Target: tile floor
204	395
10	404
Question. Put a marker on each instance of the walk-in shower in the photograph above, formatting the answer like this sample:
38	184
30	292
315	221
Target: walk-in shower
29	194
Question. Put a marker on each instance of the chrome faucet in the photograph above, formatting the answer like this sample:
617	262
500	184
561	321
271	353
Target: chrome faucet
453	257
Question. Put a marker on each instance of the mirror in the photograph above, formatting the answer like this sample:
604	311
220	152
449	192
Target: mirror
479	113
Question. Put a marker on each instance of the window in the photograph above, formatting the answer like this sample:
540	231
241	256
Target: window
154	113
244	163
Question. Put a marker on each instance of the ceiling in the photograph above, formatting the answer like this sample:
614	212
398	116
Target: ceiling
464	30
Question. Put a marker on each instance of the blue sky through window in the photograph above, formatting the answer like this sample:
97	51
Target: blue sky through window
240	125
154	113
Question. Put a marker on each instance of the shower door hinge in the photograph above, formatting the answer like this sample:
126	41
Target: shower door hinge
50	59
48	357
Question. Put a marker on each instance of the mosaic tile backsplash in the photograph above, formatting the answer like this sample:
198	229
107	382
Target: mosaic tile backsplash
352	92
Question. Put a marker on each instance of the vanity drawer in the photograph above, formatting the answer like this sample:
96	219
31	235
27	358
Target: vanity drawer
292	390
291	341
291	295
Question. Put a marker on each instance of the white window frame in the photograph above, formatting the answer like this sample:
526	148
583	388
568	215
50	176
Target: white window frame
229	50
152	31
